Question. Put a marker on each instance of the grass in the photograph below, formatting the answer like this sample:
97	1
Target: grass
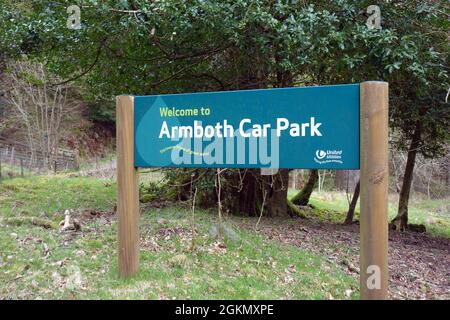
433	213
39	262
8	171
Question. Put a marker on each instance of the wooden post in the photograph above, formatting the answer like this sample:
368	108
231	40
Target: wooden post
12	157
127	188
76	160
374	105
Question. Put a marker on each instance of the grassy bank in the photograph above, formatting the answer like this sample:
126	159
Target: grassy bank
39	261
433	213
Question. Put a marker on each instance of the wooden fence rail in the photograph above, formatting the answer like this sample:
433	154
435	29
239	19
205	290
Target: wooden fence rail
17	160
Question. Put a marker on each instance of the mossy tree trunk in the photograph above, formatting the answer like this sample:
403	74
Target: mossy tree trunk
302	197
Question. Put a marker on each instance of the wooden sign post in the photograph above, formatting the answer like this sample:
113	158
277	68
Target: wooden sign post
127	188
374	102
332	143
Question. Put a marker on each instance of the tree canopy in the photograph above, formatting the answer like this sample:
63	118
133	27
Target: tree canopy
168	46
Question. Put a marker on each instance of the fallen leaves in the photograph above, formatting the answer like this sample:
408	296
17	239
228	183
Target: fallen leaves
73	279
217	247
418	263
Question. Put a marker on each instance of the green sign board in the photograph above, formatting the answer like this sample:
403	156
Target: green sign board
305	127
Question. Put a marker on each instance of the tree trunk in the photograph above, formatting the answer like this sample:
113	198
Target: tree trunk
249	193
400	222
302	197
277	188
351	208
257	193
447	168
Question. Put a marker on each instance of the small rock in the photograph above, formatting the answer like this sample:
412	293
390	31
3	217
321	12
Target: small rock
13	235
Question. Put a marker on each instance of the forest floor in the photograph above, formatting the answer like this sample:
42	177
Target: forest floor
39	261
418	263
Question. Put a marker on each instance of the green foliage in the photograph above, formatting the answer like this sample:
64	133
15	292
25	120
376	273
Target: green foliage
141	47
151	191
181	184
102	111
332	206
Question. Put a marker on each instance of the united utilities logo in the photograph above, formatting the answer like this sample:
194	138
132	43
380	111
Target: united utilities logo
320	154
328	156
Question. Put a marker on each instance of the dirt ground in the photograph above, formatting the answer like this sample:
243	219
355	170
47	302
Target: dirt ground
419	265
